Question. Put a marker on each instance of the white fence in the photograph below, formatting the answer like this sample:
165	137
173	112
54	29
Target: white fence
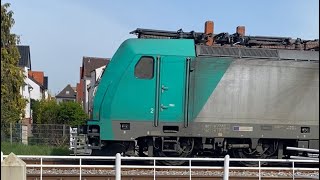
118	164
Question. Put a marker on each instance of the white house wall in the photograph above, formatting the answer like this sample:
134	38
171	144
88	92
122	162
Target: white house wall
35	93
99	72
25	93
46	94
90	90
95	75
86	83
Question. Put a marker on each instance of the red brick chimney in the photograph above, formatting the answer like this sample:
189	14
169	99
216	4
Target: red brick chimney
241	30
208	29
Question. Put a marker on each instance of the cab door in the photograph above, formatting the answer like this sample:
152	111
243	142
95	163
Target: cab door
172	89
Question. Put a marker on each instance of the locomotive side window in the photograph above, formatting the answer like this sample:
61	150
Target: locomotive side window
144	68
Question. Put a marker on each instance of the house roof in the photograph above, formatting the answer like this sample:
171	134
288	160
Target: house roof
103	67
91	63
35	81
38	76
67	92
24	60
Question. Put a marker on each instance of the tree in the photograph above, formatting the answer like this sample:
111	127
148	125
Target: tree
12	78
71	113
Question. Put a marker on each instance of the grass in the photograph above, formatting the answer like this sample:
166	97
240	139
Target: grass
21	149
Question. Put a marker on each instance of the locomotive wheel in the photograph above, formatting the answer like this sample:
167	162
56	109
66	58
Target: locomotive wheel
245	153
268	150
185	150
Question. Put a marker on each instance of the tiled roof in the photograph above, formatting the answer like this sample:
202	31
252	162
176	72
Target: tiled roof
35	81
91	63
67	92
25	60
37	75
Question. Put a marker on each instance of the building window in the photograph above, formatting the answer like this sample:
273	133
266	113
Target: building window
144	68
67	92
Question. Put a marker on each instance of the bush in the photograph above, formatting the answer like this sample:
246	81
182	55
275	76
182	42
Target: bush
50	112
45	111
71	113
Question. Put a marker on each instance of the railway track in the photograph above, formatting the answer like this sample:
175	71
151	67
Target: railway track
73	177
176	174
215	174
105	170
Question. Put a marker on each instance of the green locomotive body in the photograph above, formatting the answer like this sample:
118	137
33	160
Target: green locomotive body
173	97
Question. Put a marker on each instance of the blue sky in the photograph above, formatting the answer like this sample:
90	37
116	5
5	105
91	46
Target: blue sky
61	32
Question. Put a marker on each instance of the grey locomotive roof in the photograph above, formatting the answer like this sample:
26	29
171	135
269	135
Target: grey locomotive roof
25	60
243	52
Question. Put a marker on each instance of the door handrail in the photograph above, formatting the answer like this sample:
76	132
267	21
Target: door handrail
186	94
157	98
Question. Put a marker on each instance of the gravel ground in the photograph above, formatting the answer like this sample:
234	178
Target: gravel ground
148	172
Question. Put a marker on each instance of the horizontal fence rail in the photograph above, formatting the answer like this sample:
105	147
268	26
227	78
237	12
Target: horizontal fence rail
118	160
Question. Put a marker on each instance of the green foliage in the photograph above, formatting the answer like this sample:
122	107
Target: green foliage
49	112
45	112
21	149
71	113
12	77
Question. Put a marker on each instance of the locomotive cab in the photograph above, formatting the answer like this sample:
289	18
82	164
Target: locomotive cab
144	87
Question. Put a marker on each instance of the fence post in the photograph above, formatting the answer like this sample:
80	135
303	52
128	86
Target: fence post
259	170
154	169
10	133
41	168
13	168
293	170
1	156
80	168
64	129
226	168
118	166
190	175
75	145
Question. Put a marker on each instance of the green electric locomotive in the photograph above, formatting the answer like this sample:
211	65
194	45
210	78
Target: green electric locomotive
176	96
